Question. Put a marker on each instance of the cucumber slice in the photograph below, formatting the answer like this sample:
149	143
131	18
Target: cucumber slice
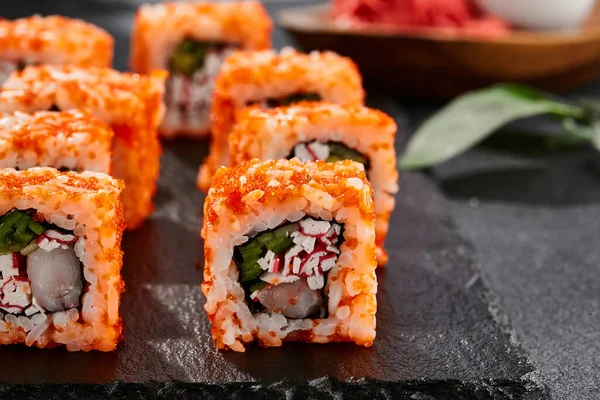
338	151
256	285
250	273
265	238
251	252
36	227
23	223
189	56
8	222
22	238
280	244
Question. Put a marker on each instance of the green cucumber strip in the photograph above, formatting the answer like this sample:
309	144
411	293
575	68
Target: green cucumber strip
265	238
246	264
256	285
250	273
280	244
22	238
4	248
8	222
287	229
251	253
277	241
189	56
23	223
341	152
334	158
36	227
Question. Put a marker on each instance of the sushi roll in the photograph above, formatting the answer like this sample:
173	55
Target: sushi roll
52	40
324	131
71	140
191	40
290	254
131	104
60	259
269	79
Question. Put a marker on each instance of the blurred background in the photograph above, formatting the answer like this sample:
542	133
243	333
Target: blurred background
424	49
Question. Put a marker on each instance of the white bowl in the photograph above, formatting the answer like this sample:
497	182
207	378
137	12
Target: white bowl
547	15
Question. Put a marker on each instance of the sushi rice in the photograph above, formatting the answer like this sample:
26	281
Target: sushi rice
74	140
257	77
53	40
130	103
306	130
262	197
87	205
192	39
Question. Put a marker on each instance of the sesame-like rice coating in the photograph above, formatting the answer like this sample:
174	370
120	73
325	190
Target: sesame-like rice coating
255	76
88	204
273	133
71	139
158	28
55	40
260	195
132	104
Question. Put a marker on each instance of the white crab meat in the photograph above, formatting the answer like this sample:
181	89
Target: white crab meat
8	267
312	151
312	262
265	261
16	294
302	153
188	98
314	228
327	263
316	281
307	243
64	238
51	240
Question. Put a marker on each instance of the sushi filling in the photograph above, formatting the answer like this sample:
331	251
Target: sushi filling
285	270
194	66
40	269
287	100
329	151
7	67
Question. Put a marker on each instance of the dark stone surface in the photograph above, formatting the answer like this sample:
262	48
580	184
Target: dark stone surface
436	337
524	226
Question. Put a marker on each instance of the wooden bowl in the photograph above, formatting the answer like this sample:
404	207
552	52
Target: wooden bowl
434	64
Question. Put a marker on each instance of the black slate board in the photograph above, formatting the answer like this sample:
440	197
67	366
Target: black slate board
441	334
436	335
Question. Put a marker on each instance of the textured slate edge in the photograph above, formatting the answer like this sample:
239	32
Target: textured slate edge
323	388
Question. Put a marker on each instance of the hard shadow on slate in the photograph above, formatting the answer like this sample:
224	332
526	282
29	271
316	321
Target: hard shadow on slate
434	329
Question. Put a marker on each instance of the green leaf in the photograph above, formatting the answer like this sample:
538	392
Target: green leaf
472	117
532	143
596	142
